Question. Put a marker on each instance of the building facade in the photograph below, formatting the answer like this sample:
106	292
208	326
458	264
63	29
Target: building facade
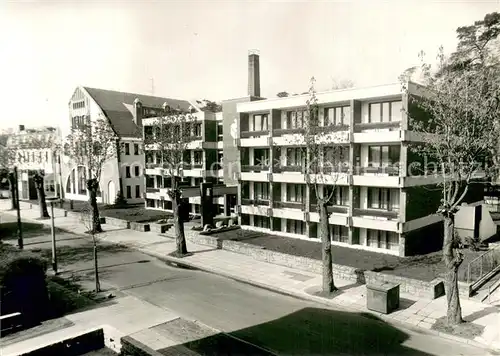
381	201
34	150
125	172
202	163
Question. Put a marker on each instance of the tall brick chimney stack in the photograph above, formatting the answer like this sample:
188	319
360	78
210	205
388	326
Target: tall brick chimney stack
253	73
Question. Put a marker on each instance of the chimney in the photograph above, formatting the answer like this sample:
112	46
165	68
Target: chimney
253	73
137	112
21	128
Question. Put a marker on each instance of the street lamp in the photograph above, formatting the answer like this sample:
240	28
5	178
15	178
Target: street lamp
52	201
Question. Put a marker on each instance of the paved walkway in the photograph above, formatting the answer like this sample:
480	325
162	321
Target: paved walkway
413	313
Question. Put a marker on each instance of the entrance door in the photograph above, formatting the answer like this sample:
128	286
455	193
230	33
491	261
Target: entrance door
111	192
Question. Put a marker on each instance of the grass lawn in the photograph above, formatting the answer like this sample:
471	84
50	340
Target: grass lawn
132	212
425	267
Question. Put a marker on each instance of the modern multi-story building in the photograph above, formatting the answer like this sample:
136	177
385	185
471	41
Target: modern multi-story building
381	203
202	163
125	112
34	150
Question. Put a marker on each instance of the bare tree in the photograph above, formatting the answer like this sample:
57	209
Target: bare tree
87	219
7	161
91	145
458	135
323	160
171	135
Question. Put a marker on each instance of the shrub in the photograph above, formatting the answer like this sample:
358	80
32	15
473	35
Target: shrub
120	200
24	289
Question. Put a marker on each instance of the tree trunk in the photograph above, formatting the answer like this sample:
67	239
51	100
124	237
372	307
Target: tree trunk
12	189
96	267
40	191
92	186
324	235
180	238
452	259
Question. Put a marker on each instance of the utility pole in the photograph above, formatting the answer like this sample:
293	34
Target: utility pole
20	243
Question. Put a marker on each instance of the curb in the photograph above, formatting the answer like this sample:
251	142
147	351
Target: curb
300	296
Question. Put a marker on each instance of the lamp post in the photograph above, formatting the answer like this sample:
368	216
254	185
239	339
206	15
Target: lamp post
52	201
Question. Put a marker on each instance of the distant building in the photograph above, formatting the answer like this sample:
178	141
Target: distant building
34	150
124	112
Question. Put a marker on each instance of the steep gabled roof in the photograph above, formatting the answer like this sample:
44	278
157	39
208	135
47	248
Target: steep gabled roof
114	105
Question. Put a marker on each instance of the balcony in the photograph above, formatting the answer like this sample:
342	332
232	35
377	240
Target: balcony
246	201
288	205
188	166
337	209
291	168
292	131
390	171
342	168
152	190
374	126
248	134
390	215
254	168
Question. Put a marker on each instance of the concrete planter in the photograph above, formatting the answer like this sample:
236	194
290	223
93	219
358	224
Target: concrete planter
140	227
123	224
382	298
160	228
219	229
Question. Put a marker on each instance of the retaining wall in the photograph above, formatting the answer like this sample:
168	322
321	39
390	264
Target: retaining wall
74	346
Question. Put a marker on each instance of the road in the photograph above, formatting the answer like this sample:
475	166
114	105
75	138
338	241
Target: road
279	323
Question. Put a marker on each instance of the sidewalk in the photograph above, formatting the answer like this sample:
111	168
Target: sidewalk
413	313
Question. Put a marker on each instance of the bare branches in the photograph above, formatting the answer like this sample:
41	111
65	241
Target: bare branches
91	145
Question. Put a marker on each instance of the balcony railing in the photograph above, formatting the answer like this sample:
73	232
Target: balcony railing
152	190
254	202
335	169
254	168
151	165
331	128
289	205
389	170
247	134
192	166
377	125
377	213
291	131
291	168
331	209
195	138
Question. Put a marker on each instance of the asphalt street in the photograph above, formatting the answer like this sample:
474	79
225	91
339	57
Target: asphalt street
279	323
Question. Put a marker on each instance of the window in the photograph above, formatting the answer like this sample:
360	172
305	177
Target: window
261	191
198	157
337	116
294	157
339	233
197	130
137	171
380	156
295	227
385	112
383	198
295	193
382	239
340	195
261	221
295	119
137	191
220	132
127	149
136	149
261	156
127	172
335	156
260	122
129	192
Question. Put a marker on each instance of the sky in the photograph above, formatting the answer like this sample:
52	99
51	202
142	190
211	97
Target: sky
198	49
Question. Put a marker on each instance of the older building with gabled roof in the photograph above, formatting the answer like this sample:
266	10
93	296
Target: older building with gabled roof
124	112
